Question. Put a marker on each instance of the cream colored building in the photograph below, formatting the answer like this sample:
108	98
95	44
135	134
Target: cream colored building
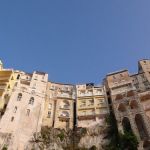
59	106
91	105
24	113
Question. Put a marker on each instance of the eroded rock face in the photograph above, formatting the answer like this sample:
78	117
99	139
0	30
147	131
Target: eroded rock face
94	137
57	139
5	140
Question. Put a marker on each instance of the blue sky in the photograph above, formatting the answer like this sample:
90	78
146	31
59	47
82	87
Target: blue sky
74	41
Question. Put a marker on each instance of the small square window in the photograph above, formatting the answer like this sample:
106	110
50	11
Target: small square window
12	119
28	112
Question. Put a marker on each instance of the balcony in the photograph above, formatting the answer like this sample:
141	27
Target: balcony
64	115
101	106
65	107
87	117
67	96
101	116
25	82
2	87
4	79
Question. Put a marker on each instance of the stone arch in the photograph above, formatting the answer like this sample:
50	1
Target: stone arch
130	93
119	97
133	104
141	126
126	124
122	107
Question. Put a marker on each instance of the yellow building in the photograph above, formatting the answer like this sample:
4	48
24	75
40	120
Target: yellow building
91	105
7	81
59	106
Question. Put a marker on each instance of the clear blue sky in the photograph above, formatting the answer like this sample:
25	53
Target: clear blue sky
75	41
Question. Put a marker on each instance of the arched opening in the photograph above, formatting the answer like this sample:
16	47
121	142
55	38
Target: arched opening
121	107
126	125
19	96
130	93
31	101
141	126
133	104
119	97
18	77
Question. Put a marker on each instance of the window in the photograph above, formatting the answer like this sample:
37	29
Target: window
18	77
49	106
19	97
12	119
121	75
48	114
31	101
114	77
28	112
15	109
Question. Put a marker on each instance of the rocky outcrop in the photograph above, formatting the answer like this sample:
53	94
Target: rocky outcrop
80	138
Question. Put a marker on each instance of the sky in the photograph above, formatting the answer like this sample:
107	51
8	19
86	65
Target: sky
74	41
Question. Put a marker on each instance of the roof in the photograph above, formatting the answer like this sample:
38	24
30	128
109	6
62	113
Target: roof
116	72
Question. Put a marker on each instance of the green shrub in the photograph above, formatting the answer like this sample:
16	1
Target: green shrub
4	148
93	148
61	136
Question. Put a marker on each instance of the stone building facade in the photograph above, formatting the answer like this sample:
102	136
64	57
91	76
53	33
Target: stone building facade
30	101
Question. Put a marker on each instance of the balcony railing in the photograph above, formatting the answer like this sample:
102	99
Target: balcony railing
4	78
64	107
64	116
2	87
87	117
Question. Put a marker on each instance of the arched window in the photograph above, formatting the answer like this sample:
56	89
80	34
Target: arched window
133	104
126	124
18	76
141	126
31	101
15	109
19	97
28	112
122	107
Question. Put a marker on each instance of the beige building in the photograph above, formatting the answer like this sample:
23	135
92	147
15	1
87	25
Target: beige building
125	103
29	101
59	106
91	105
23	115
